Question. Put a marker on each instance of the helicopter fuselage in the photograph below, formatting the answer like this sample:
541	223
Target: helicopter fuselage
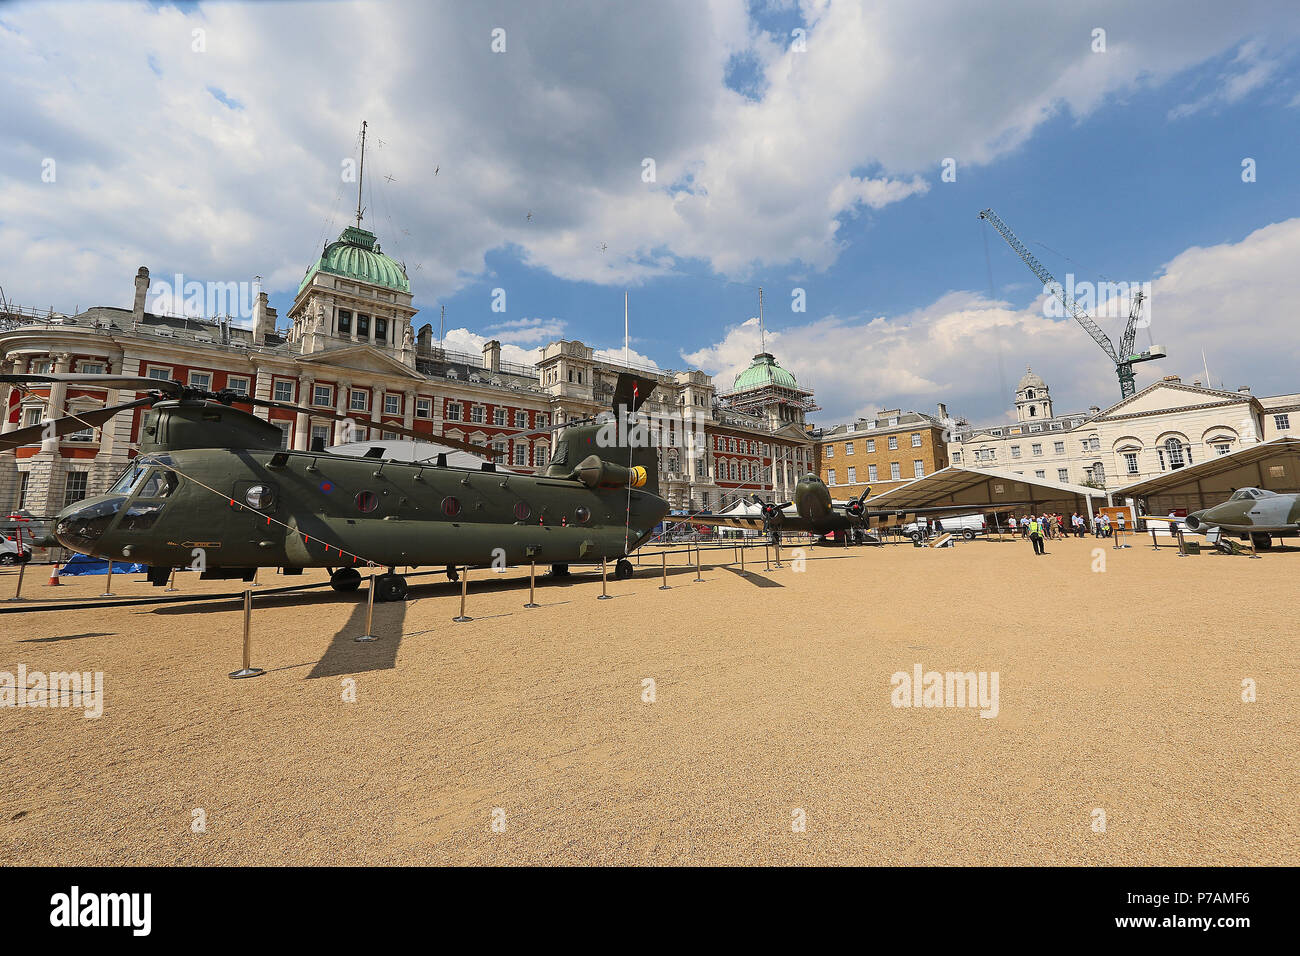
248	508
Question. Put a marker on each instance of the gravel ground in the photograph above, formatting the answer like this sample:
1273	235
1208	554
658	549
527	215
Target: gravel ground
1118	691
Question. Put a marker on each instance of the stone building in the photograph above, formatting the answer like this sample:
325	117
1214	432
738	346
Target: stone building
882	452
350	348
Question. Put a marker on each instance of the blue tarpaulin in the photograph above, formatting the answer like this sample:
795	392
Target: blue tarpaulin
85	564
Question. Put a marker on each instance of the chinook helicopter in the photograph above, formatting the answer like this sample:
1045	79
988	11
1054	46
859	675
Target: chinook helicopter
212	484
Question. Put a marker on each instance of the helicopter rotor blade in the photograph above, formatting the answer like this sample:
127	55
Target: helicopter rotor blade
135	382
34	434
382	426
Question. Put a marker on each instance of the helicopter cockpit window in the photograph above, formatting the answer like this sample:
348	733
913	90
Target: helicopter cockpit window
159	484
127	480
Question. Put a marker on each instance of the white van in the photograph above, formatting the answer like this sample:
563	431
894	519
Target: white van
9	552
968	526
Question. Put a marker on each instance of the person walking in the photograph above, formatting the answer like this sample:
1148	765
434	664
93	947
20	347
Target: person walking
1036	535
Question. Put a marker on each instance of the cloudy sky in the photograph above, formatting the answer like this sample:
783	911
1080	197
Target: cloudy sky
691	152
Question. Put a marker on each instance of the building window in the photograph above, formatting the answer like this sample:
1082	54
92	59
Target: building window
1015	451
284	432
159	372
453	411
893	442
1222	448
1094	444
1037	449
499	416
282	390
499	451
543	420
1281	422
320	436
1062	474
918	468
853	475
75	489
33	415
237	384
1131	462
848	448
201	380
916	439
956	458
894	470
363	325
872	473
358	400
1040	474
521	419
381	329
540	456
1175	452
1058	447
323	395
830	451
423	408
40	367
830	476
478	414
92	368
871	445
345	321
23	479
520	454
392	405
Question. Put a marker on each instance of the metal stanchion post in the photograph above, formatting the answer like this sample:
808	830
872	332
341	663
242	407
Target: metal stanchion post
767	561
369	634
604	581
171	582
464	587
108	586
697	565
248	670
742	560
663	555
532	583
18	594
778	551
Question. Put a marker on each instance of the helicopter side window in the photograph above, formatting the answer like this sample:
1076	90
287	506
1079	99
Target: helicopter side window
367	501
582	515
450	506
522	511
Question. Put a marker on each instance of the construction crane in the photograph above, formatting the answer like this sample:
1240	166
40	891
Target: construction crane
1125	358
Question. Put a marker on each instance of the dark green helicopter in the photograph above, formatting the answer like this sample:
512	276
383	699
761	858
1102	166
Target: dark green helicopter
212	484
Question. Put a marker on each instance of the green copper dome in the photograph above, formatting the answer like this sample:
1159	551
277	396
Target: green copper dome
356	255
764	371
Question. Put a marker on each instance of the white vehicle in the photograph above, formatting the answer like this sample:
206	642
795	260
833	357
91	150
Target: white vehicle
968	526
9	553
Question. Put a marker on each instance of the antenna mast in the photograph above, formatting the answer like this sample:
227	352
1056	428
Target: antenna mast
762	335
361	178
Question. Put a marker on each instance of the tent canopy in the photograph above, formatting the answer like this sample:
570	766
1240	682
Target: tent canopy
986	490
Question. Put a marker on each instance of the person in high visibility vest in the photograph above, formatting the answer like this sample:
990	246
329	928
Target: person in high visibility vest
1036	535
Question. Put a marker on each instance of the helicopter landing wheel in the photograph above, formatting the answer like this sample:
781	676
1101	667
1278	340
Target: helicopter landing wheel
622	570
390	587
559	570
345	580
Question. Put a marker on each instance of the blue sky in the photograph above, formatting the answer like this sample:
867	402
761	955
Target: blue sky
816	169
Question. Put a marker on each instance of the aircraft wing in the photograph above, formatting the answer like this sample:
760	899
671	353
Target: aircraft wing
754	523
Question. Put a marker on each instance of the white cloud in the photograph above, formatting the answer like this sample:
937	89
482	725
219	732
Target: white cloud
1254	68
1233	300
154	168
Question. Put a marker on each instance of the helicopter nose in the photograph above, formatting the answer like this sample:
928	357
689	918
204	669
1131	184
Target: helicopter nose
79	527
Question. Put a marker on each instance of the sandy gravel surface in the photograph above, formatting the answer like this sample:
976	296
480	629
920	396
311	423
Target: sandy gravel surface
1119	691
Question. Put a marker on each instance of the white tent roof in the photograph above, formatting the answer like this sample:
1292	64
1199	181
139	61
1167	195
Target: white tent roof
407	449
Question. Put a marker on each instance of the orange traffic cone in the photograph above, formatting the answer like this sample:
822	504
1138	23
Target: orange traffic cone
54	576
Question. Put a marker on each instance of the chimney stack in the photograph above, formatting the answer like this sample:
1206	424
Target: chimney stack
492	356
943	411
424	341
260	319
141	292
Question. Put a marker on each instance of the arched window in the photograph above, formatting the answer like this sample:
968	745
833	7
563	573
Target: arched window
1029	393
1174	450
1033	412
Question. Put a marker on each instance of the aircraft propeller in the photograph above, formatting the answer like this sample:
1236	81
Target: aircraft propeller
857	507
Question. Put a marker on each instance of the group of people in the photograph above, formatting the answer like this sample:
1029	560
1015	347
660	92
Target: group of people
1039	528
